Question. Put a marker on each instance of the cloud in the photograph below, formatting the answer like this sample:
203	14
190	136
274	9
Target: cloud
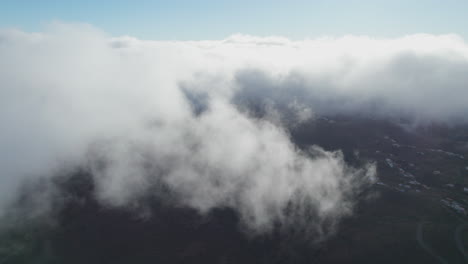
186	114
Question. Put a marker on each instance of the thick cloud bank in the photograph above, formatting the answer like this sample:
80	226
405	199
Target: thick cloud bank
185	114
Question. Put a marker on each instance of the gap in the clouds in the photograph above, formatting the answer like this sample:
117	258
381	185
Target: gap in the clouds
156	227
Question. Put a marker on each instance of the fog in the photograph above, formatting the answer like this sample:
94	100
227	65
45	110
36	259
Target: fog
140	113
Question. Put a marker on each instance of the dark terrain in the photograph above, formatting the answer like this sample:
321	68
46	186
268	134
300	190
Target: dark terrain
415	213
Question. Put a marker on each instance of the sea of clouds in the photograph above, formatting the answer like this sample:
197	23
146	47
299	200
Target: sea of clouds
184	114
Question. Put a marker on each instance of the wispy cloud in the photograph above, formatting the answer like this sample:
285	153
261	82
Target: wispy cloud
139	113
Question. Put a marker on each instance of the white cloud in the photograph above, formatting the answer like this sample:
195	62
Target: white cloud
73	94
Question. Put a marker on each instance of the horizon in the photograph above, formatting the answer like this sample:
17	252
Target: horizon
205	20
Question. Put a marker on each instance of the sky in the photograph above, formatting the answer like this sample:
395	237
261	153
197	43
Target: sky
208	19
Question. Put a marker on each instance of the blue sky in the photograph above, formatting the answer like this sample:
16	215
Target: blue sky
204	19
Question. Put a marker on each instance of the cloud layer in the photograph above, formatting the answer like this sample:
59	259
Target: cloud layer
186	114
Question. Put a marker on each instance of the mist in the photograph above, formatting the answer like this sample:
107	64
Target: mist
184	114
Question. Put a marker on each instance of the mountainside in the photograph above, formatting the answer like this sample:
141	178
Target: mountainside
416	212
